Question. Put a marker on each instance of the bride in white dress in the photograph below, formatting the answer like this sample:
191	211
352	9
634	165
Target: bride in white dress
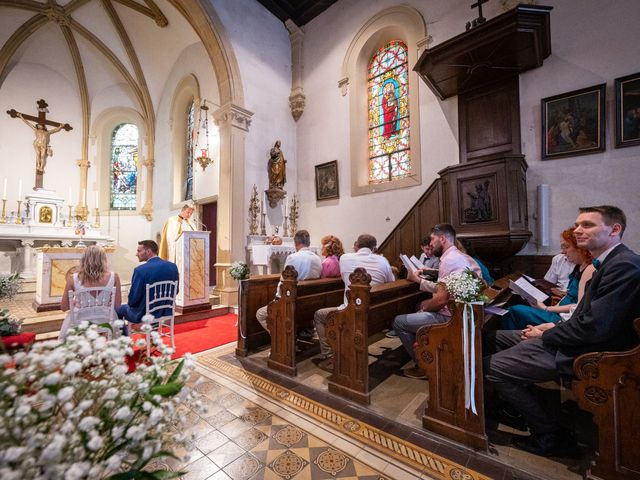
93	272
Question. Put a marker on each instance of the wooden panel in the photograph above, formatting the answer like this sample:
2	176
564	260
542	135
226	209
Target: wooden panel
489	121
254	293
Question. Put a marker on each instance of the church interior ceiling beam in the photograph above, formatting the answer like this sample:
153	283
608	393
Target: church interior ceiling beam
151	10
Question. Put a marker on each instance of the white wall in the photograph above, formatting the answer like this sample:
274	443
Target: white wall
590	45
262	48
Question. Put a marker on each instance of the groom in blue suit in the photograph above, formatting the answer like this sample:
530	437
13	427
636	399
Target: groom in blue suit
602	321
154	270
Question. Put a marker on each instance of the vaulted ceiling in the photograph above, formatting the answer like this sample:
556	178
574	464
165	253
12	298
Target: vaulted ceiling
300	11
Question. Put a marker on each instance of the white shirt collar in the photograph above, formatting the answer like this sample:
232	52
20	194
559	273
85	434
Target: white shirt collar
604	254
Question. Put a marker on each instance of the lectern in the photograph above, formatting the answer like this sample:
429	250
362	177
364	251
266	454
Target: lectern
192	258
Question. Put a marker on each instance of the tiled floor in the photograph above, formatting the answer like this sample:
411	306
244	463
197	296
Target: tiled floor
245	435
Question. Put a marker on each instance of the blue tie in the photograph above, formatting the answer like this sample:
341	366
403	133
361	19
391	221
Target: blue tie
596	264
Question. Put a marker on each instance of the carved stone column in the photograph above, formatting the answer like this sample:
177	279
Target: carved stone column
28	259
233	122
147	209
81	207
297	98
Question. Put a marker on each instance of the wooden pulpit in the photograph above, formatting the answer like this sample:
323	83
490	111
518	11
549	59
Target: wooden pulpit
192	258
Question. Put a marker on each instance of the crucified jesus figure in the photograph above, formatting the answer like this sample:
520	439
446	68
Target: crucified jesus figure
41	143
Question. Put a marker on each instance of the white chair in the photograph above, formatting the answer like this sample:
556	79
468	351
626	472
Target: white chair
95	305
161	296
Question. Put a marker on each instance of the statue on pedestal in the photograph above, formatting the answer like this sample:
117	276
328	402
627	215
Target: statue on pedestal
277	175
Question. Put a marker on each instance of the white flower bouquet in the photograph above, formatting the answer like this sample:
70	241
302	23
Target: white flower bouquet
464	286
9	324
239	271
71	410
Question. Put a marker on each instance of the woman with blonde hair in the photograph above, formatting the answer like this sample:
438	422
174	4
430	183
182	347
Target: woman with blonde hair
332	250
93	272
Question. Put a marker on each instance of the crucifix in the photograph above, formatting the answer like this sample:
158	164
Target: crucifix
480	20
41	143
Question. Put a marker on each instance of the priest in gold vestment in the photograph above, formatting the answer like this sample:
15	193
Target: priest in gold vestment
173	228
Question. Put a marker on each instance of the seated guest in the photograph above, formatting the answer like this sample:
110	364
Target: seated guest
434	310
154	270
560	269
376	265
486	275
93	272
427	258
332	250
521	316
602	321
307	264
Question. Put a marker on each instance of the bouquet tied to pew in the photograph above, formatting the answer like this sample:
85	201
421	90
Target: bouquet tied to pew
239	271
464	286
71	410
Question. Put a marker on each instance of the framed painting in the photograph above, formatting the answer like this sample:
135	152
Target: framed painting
628	110
573	123
327	181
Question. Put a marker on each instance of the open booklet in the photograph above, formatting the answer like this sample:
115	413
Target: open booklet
527	291
412	264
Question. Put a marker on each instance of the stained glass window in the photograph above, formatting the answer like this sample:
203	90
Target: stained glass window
124	167
191	132
388	94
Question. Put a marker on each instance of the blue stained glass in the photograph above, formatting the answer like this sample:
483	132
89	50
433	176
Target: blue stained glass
124	167
191	132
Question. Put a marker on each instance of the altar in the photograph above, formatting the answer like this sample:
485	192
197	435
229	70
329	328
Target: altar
264	258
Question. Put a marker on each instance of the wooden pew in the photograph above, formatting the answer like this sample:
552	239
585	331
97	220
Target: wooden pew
439	353
369	310
255	292
608	386
295	306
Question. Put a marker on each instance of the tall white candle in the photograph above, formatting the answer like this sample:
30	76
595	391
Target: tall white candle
96	198
70	196
4	191
19	189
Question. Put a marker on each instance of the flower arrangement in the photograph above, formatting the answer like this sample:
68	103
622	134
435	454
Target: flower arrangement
10	285
464	286
70	410
239	271
9	325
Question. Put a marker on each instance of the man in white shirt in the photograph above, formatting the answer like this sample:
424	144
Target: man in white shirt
434	310
376	265
560	269
307	264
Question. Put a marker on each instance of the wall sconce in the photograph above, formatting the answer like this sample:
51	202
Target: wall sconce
202	151
543	215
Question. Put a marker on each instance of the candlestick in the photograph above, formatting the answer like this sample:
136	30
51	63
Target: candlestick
96	192
263	224
18	219
69	219
3	218
96	224
19	189
285	228
4	191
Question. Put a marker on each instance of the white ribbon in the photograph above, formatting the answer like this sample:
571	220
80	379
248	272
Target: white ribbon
469	348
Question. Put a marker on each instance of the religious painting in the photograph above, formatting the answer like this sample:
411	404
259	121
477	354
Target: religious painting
478	200
388	110
124	167
573	123
327	181
628	110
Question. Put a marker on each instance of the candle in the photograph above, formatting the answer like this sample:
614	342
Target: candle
70	196
4	191
261	205
285	209
19	189
96	192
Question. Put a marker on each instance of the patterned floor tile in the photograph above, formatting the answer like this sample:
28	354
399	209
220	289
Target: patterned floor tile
250	438
244	467
211	441
225	454
288	464
220	418
255	415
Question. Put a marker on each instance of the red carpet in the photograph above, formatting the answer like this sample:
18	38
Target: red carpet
200	335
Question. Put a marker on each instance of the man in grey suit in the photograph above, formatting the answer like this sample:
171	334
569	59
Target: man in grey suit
602	321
